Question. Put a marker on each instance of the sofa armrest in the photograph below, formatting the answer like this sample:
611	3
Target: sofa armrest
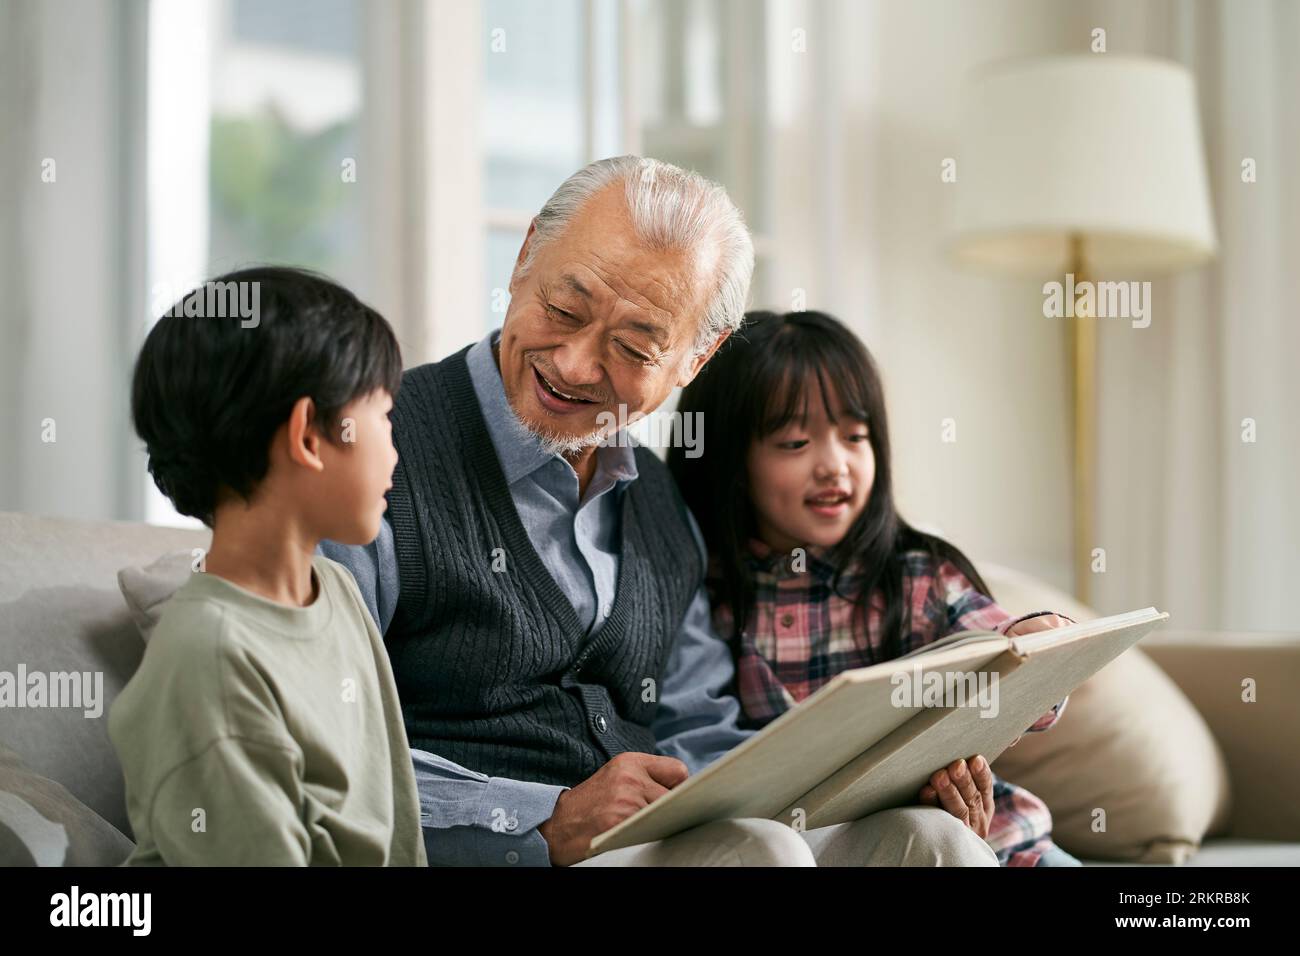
1258	738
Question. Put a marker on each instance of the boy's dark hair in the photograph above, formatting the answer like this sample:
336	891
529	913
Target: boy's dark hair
755	385
213	384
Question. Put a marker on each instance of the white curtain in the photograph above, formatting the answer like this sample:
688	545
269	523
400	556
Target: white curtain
1191	518
865	111
71	251
1194	519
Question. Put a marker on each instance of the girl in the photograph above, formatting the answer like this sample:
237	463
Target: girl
812	571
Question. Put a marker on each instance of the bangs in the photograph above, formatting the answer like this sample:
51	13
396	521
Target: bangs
803	365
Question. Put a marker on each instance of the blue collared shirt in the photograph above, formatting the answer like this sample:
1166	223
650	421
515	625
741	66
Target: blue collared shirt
578	540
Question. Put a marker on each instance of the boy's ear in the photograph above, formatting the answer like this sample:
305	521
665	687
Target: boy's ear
304	436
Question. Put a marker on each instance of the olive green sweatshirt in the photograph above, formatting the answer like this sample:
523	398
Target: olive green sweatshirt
255	733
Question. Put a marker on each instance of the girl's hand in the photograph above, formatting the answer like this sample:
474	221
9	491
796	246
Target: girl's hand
1043	622
964	789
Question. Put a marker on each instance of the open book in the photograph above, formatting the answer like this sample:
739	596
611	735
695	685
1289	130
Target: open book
870	738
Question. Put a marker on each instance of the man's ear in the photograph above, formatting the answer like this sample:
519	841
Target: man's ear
697	361
523	254
304	439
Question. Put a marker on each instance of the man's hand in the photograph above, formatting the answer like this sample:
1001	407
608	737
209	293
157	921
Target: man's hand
964	789
609	796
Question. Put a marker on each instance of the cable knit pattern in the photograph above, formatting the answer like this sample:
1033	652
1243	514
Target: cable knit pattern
492	664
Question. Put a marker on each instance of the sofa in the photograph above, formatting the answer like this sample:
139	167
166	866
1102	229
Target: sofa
61	610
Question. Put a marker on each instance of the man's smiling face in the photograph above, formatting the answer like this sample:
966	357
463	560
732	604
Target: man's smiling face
600	320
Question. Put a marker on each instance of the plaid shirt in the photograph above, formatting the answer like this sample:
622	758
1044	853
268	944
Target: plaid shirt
800	634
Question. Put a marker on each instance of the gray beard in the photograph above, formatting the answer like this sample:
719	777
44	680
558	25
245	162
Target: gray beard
566	446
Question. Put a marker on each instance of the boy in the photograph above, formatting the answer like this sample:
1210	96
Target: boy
263	725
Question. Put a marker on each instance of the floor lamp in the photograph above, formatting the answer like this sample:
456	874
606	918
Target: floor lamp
1084	167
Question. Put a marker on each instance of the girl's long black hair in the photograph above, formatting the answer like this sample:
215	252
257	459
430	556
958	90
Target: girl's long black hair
754	385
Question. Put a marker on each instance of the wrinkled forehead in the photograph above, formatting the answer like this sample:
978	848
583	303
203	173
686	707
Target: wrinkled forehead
602	258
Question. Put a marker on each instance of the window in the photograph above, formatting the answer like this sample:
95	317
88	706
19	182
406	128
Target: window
286	96
256	110
253	114
575	80
533	123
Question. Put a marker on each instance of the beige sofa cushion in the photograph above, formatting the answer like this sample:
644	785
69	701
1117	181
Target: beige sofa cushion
1259	732
42	824
1130	772
147	588
61	610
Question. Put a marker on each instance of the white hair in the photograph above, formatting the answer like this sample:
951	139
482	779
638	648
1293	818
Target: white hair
670	208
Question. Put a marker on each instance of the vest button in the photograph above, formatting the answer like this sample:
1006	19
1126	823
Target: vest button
512	857
601	724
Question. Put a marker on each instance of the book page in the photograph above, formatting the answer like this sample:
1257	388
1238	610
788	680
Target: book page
1031	680
800	748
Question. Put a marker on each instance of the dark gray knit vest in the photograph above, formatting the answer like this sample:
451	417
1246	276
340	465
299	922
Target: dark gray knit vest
493	667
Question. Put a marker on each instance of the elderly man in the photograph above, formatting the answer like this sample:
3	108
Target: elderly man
540	589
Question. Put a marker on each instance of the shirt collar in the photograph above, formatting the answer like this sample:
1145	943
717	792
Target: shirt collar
520	451
780	563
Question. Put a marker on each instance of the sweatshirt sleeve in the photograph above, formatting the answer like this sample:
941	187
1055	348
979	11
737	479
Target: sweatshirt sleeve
236	803
212	776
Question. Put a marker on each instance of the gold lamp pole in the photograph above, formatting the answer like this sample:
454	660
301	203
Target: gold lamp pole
1032	211
1083	364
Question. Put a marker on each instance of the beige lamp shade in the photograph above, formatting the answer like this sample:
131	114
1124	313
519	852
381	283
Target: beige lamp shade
1101	147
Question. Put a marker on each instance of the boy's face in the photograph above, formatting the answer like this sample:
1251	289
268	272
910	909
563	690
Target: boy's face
359	461
810	480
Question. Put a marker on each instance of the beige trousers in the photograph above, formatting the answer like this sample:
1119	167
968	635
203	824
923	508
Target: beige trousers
907	836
